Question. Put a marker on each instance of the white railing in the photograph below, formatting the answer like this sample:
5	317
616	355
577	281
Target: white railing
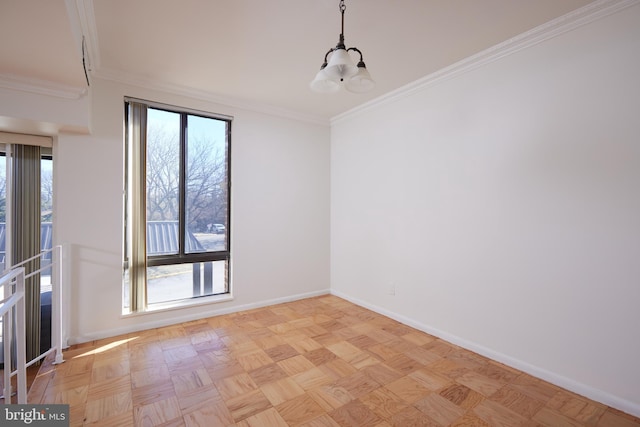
16	299
54	264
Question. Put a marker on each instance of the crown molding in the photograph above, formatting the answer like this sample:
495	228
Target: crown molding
82	14
41	87
82	17
565	23
570	21
48	88
145	83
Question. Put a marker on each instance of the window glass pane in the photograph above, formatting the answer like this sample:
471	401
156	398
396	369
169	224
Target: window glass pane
163	181
182	281
46	193
3	208
46	217
206	185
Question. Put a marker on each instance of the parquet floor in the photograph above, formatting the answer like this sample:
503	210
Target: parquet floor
318	362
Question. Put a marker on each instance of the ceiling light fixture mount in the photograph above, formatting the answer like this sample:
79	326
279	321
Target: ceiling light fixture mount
338	69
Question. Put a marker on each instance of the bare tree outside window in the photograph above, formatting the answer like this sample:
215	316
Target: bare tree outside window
46	193
206	185
163	166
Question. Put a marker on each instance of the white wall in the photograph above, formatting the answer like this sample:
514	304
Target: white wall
280	212
504	205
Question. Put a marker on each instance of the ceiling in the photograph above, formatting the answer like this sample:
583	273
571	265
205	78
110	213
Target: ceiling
252	52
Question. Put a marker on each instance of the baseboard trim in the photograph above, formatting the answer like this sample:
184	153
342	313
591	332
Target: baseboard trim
88	337
551	377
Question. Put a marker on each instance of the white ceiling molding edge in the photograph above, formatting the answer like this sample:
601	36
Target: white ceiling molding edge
41	87
83	25
551	29
137	81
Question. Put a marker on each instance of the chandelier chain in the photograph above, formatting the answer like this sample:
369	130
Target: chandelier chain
342	9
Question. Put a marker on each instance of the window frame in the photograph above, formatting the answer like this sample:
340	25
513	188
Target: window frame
182	256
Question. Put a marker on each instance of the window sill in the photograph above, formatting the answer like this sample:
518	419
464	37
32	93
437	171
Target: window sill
181	304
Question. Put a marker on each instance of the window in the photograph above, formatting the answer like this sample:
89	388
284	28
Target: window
176	205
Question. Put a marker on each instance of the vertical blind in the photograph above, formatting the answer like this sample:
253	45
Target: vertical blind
23	221
136	227
25	214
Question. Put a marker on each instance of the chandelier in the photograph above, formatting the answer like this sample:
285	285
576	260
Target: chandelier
340	69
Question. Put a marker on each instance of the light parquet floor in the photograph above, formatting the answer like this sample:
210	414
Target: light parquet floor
318	362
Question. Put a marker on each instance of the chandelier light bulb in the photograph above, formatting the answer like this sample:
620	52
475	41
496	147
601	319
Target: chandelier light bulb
340	65
361	82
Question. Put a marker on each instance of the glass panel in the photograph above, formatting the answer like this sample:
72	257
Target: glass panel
46	243
46	225
125	291
46	186
182	281
3	216
163	181
3	208
206	185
